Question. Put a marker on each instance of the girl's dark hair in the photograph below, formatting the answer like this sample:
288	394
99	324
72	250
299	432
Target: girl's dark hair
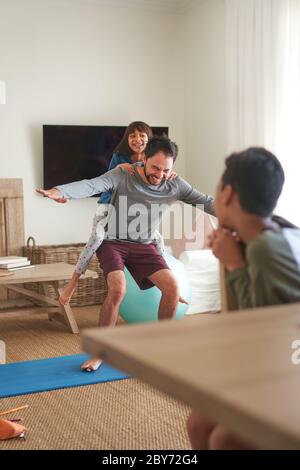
123	148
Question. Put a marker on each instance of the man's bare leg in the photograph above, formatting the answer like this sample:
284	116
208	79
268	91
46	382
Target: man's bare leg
69	289
165	280
116	288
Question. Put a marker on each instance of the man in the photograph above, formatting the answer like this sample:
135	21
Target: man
127	243
261	258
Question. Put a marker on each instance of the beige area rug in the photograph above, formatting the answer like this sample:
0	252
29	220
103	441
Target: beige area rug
127	414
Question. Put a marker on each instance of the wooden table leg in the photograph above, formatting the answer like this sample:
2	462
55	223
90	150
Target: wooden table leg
228	302
65	310
2	352
46	293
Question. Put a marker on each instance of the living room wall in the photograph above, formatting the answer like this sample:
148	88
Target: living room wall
108	63
82	62
205	105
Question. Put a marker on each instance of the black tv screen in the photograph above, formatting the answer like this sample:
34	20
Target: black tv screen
73	153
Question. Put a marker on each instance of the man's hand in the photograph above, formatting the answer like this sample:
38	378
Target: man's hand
52	193
172	175
126	166
227	248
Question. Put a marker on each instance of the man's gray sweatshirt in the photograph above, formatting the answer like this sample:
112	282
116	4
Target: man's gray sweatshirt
137	207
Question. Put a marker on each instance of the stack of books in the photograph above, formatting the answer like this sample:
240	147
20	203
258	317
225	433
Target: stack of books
14	263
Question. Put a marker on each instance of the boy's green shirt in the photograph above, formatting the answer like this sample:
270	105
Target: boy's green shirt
272	274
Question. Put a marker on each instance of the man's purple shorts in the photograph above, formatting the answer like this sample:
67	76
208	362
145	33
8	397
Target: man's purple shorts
140	259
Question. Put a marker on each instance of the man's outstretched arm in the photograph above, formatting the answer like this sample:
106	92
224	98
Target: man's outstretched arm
84	188
52	193
190	195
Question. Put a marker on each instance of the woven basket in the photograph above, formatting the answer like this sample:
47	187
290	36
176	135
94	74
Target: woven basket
88	291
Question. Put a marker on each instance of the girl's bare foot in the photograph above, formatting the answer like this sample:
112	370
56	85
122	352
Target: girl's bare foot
67	293
91	364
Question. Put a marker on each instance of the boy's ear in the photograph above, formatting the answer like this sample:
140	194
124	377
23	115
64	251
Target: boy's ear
228	194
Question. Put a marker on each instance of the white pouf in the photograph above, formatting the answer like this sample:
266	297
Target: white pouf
202	268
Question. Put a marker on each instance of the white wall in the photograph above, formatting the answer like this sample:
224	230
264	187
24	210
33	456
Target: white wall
205	115
82	62
109	62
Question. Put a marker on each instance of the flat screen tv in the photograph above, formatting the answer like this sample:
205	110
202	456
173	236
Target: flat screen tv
73	153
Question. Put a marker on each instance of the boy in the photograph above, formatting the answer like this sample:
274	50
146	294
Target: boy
261	257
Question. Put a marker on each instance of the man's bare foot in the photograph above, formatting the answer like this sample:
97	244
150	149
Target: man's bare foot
91	364
67	293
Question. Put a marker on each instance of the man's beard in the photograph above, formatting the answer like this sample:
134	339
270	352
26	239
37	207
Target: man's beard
148	178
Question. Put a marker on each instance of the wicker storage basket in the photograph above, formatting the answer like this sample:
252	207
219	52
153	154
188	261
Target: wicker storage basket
89	291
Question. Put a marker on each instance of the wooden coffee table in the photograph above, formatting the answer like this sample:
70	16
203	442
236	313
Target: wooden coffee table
55	275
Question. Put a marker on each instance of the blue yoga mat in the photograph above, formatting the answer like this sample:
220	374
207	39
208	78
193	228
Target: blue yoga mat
21	378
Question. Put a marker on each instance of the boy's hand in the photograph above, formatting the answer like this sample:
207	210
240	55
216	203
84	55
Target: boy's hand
227	248
52	193
127	166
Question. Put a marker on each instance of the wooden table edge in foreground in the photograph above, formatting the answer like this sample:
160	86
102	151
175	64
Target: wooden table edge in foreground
234	368
48	275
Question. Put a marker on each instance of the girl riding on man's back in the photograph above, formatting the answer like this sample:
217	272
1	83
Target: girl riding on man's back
128	152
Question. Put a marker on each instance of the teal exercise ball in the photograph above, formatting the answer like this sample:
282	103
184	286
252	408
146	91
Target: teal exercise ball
141	306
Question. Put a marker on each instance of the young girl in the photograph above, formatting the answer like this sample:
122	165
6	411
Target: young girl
129	151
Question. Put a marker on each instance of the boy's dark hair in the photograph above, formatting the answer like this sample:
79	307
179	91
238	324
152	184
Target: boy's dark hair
123	148
257	177
161	144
